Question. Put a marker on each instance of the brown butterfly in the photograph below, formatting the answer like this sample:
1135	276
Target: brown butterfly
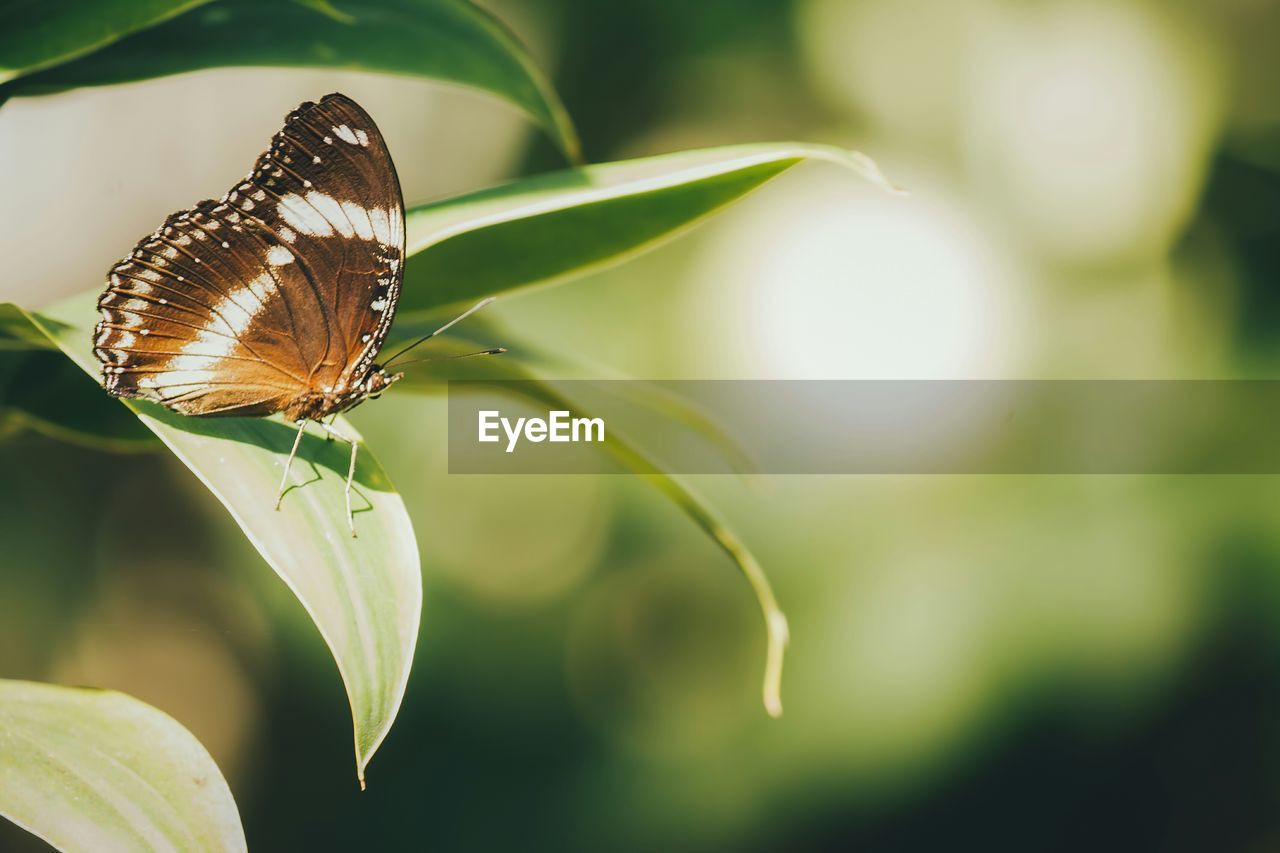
276	298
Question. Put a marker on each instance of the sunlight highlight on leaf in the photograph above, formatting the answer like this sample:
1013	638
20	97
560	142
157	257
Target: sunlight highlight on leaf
548	228
90	770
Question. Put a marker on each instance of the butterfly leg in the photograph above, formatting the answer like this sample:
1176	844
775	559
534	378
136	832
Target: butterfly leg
284	478
351	472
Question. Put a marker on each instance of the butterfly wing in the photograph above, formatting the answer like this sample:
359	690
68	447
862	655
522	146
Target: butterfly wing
276	297
201	328
328	189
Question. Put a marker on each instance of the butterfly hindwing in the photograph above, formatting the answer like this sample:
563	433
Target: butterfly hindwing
276	295
184	323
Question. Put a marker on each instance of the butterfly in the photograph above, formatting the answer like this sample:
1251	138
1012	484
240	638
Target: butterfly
276	298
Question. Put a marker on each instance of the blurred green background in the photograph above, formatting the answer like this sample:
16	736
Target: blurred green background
995	663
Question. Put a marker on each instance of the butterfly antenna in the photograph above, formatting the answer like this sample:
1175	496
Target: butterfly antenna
464	315
494	351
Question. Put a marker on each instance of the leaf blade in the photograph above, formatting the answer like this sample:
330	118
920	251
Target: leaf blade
95	769
34	36
64	404
546	229
449	40
364	595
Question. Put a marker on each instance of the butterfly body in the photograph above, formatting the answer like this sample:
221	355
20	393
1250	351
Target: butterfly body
317	405
276	298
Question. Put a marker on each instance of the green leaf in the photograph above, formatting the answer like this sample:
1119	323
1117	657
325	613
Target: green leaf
517	381
324	7
17	333
97	770
36	35
448	40
548	228
364	594
43	391
431	375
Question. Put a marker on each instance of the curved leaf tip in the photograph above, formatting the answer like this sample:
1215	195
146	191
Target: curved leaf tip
777	631
779	638
864	166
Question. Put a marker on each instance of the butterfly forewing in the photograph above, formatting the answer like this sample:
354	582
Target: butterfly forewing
328	190
276	297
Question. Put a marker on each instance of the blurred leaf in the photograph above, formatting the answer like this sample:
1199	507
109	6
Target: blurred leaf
43	391
658	399
547	228
97	770
449	40
365	594
514	379
36	35
431	373
17	333
324	7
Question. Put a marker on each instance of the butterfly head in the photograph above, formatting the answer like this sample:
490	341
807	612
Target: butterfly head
377	380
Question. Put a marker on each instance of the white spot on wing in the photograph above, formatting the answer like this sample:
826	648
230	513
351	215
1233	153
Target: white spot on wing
190	380
304	218
380	221
344	133
359	218
321	215
279	256
262	288
197	361
332	211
